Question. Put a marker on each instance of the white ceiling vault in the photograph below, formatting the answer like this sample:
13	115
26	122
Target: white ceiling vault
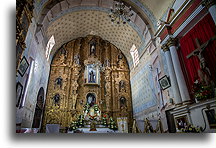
83	23
70	19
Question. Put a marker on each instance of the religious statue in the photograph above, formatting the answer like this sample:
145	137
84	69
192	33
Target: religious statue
135	128
58	81
92	48
147	126
204	73
56	99
122	102
120	56
62	56
122	86
91	99
159	127
92	77
107	63
77	59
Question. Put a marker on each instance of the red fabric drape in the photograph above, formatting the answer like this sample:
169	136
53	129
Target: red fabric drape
204	30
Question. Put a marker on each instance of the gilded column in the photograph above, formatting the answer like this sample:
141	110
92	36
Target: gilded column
211	6
171	43
174	84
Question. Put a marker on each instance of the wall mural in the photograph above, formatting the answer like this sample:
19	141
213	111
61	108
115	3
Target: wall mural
88	72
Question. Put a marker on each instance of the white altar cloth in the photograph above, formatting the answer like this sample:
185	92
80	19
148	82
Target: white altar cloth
99	130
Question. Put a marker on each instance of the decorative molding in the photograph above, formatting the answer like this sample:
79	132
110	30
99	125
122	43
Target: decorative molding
165	48
171	42
208	3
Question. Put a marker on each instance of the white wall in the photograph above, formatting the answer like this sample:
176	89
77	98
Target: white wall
35	50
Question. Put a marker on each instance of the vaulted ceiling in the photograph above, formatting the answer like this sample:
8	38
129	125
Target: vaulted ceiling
157	7
70	19
83	23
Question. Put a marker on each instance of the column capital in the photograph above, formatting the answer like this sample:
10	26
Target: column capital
165	48
171	42
208	3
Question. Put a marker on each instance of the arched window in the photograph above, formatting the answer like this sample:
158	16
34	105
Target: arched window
49	46
135	55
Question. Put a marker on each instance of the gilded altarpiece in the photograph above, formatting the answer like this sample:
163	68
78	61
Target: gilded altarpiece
87	67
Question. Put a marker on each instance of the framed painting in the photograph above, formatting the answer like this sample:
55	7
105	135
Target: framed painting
164	82
19	89
211	118
181	122
23	66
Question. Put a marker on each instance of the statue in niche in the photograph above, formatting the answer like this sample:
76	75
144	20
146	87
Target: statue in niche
92	49
58	82
120	56
107	63
63	56
122	86
123	102
56	99
64	52
92	77
120	61
77	59
91	100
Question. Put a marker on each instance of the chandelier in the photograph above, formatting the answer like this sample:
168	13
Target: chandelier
120	13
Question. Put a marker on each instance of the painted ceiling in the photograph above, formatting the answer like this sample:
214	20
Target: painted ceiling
70	19
83	23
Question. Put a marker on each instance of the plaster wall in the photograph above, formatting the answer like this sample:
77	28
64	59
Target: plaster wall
35	51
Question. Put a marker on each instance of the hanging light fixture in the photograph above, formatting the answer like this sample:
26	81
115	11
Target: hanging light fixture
120	13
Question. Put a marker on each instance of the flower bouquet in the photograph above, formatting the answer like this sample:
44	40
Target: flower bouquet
192	129
201	91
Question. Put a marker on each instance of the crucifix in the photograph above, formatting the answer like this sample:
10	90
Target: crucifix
199	53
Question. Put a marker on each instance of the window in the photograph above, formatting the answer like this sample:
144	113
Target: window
135	55
49	46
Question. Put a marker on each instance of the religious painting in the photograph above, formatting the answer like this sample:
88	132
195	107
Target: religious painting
211	118
181	122
19	89
23	66
122	124
92	74
164	82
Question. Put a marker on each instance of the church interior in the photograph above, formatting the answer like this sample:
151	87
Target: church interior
115	66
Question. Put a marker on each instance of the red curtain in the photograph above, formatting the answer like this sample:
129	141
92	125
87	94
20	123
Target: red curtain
204	30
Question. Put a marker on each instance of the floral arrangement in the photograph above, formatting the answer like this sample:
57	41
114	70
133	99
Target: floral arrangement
201	91
104	120
192	129
112	124
73	126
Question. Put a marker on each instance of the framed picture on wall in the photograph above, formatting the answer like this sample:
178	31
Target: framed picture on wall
19	89
181	122
23	66
164	82
211	118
